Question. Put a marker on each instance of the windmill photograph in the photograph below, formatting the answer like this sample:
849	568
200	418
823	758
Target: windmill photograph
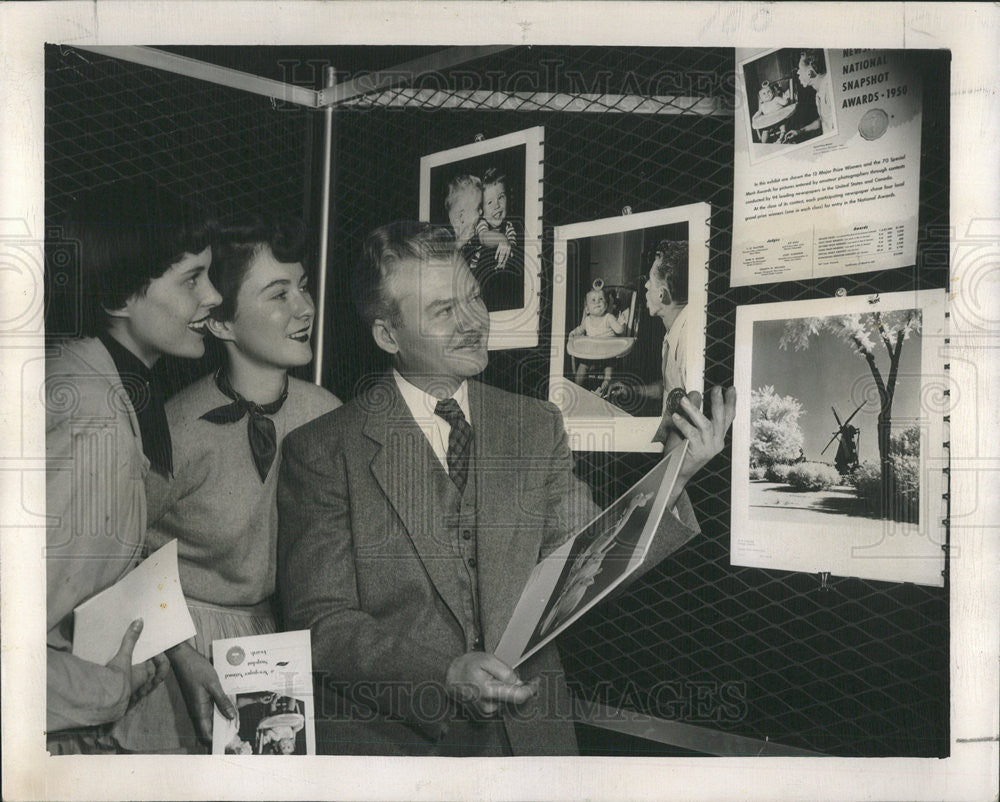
862	464
833	445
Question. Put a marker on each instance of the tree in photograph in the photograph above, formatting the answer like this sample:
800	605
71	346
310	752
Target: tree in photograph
866	334
775	435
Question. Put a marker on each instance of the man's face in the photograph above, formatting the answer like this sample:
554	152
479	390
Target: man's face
464	213
805	73
444	324
657	295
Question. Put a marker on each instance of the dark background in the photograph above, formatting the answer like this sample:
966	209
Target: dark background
857	669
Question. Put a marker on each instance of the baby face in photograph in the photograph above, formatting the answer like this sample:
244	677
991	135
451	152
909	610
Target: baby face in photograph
597	304
464	211
495	203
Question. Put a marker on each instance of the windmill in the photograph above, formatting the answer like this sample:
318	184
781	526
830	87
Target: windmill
847	452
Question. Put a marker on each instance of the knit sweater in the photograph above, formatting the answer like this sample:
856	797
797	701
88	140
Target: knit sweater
224	518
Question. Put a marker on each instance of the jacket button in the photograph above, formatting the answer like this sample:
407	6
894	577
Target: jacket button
466	534
472	562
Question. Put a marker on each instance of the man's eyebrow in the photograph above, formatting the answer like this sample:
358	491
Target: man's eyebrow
433	305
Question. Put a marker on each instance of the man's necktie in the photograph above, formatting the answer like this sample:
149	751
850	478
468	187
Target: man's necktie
459	440
260	428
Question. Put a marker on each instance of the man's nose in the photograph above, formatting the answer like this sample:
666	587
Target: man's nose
472	317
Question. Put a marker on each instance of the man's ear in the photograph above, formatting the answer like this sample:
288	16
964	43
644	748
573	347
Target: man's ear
221	330
385	335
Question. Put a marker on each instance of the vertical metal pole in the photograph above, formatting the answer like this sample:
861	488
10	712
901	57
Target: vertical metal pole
324	234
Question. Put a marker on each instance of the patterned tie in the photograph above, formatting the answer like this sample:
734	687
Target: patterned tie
459	440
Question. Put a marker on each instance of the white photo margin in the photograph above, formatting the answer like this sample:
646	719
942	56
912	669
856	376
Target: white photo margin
628	433
510	328
895	557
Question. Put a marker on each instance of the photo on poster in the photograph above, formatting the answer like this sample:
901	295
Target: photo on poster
489	194
269	680
827	162
596	560
837	463
628	323
268	724
789	101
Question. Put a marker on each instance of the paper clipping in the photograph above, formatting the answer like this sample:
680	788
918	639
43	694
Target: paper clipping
150	591
827	173
269	679
586	568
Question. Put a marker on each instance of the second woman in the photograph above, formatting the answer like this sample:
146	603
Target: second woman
220	505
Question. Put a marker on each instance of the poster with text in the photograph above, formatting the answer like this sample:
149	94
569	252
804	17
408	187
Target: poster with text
827	173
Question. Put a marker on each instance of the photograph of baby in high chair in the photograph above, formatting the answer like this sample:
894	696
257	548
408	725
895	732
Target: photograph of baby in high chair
600	322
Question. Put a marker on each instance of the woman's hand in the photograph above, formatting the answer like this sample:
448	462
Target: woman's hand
200	687
143	677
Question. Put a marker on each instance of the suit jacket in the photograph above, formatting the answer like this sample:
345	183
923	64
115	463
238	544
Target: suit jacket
362	561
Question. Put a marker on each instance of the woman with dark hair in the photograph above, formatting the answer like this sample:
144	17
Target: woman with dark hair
142	256
221	503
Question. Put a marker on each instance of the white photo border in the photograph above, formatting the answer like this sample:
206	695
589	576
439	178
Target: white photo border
756	152
626	433
895	557
509	328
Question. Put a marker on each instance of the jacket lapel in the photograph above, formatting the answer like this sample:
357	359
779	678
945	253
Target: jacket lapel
496	452
415	485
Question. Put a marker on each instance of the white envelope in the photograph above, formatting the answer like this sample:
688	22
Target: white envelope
151	591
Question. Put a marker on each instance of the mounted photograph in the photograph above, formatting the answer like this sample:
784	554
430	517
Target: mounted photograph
837	463
628	323
489	194
789	100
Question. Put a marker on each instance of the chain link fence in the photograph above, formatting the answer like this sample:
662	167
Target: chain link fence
852	668
108	119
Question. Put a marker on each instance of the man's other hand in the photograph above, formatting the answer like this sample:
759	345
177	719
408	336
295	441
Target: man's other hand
484	682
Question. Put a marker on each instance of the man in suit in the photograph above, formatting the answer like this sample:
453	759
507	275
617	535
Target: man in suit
411	518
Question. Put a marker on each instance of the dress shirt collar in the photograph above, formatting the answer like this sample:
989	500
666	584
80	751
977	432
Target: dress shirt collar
421	406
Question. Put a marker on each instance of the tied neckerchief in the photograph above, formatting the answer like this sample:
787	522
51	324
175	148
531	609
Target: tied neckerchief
260	428
459	440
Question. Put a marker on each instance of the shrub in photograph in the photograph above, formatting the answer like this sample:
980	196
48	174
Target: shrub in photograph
775	434
778	472
813	476
899	497
757	473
